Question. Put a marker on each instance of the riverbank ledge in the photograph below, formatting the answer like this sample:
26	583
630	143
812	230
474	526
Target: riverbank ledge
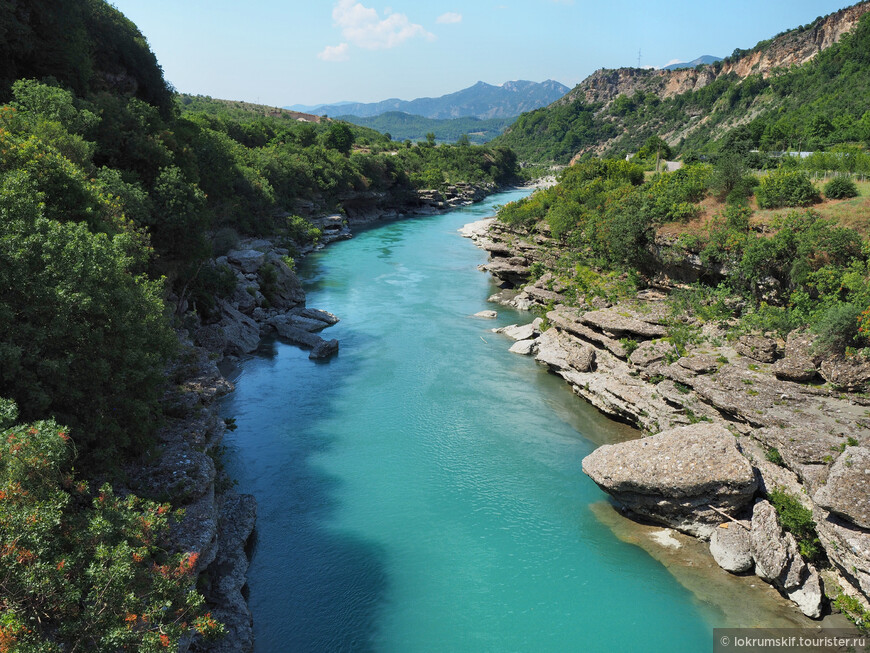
794	422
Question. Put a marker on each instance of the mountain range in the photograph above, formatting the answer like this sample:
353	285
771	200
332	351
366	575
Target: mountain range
481	100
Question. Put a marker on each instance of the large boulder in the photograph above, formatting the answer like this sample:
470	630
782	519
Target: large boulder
242	333
731	547
776	555
778	561
757	348
846	373
847	492
798	369
677	477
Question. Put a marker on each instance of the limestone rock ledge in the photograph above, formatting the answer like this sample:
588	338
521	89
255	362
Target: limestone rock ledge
684	478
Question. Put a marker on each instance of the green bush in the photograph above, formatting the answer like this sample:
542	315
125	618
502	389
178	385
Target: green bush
784	187
840	188
837	328
85	571
798	521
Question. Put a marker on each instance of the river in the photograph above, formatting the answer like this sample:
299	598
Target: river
422	491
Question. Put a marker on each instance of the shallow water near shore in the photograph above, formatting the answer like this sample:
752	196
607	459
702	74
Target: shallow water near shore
422	491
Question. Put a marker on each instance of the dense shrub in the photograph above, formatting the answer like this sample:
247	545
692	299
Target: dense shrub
80	570
784	187
798	521
840	188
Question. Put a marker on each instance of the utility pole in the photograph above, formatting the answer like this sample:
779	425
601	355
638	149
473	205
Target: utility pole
638	57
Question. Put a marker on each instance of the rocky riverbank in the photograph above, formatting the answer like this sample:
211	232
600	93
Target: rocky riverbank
731	423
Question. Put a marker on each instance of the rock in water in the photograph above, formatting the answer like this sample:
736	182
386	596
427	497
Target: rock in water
486	315
676	476
324	349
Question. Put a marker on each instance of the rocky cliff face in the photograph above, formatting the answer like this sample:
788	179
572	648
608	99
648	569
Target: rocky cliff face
790	49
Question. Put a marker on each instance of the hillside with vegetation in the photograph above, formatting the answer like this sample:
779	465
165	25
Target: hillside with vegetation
405	126
117	193
804	89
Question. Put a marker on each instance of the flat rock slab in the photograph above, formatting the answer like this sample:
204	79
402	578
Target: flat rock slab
847	492
616	323
520	331
676	476
316	314
699	364
486	315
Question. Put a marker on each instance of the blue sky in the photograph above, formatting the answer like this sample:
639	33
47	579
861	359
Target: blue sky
282	52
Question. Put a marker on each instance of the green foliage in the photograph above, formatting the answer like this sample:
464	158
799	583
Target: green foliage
774	456
302	232
785	187
339	137
840	188
654	148
404	125
82	571
837	328
853	609
798	521
81	338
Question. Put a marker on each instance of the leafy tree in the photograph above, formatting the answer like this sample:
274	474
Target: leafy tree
840	188
339	137
81	338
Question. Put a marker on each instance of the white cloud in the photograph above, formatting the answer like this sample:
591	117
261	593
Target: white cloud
673	61
363	27
449	17
334	53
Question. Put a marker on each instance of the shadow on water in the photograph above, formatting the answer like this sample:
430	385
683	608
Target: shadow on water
311	587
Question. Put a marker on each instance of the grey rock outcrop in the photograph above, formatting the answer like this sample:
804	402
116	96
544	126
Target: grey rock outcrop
324	349
848	374
523	347
778	561
798	369
699	364
622	325
649	352
776	555
757	348
677	476
242	333
731	547
486	315
247	260
847	491
228	576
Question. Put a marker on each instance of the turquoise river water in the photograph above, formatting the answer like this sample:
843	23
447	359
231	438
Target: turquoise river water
422	490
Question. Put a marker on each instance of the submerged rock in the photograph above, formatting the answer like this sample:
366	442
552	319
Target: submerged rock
324	349
677	477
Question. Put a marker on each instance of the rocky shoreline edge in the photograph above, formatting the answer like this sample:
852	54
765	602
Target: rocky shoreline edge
729	425
187	470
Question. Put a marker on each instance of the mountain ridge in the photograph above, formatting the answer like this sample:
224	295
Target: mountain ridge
481	100
613	110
